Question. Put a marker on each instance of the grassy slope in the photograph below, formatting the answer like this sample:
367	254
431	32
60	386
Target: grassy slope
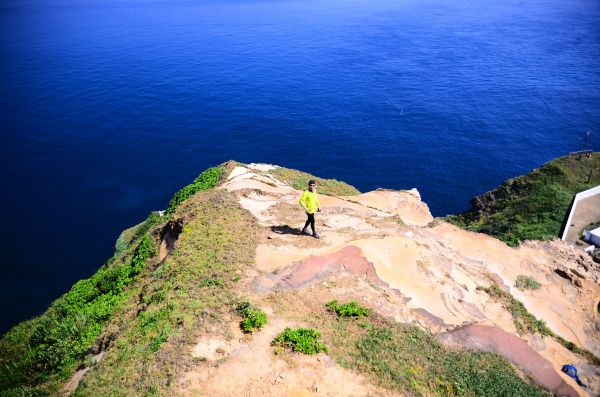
531	206
163	307
37	355
299	180
405	357
186	295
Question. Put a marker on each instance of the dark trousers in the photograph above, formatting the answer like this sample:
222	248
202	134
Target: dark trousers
310	221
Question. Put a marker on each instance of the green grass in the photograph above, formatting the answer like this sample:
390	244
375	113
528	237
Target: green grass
133	233
526	322
51	346
206	180
349	309
189	294
253	318
578	350
526	282
142	313
531	206
299	180
405	357
303	340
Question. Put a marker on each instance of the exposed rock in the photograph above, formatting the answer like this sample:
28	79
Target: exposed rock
496	340
411	269
596	255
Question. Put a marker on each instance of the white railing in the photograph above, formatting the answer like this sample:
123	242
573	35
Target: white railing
578	197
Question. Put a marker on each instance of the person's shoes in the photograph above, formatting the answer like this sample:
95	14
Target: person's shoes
316	235
304	232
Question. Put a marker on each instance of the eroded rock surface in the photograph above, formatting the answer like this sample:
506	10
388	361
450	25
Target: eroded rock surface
422	271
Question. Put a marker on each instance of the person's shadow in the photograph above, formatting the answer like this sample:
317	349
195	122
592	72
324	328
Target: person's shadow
285	229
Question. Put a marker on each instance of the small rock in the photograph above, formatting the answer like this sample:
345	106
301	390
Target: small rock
279	379
220	350
577	282
325	284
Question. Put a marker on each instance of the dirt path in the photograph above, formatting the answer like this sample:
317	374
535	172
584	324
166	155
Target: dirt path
387	238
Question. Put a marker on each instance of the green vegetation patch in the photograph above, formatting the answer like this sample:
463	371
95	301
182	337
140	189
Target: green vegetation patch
53	344
405	357
189	294
253	318
299	180
526	322
133	233
303	340
589	227
349	309
531	206
206	180
526	282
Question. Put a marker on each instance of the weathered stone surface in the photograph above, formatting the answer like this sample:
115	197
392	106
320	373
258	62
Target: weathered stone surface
496	340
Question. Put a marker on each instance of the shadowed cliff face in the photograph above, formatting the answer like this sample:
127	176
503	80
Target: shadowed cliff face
432	273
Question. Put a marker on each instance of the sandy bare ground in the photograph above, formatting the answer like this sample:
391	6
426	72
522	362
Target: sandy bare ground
429	271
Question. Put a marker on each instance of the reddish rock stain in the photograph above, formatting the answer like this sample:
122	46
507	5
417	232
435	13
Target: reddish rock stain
496	340
350	259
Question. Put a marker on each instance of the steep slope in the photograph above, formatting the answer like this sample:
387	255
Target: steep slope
445	317
534	205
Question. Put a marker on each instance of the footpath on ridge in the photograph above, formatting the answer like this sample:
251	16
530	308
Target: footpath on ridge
384	249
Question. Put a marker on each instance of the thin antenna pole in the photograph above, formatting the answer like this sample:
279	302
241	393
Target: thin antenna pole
586	137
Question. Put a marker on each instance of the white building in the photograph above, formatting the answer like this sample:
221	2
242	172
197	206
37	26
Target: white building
593	236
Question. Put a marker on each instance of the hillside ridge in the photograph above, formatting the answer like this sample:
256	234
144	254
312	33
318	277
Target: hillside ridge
162	316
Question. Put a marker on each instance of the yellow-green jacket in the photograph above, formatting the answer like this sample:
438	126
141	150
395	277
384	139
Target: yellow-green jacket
309	202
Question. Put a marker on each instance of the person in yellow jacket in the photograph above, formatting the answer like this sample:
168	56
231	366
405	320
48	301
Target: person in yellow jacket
310	202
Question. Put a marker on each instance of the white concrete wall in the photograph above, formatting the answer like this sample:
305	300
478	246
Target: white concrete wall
578	197
593	236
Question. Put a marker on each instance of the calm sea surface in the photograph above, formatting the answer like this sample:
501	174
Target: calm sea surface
108	107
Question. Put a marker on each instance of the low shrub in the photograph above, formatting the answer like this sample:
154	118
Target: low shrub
350	309
206	180
526	282
130	235
303	340
253	318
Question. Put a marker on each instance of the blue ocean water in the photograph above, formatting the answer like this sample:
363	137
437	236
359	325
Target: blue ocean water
108	107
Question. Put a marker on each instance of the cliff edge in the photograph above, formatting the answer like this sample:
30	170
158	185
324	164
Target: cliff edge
401	303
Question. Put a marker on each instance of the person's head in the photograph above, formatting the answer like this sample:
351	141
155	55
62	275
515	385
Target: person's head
312	185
